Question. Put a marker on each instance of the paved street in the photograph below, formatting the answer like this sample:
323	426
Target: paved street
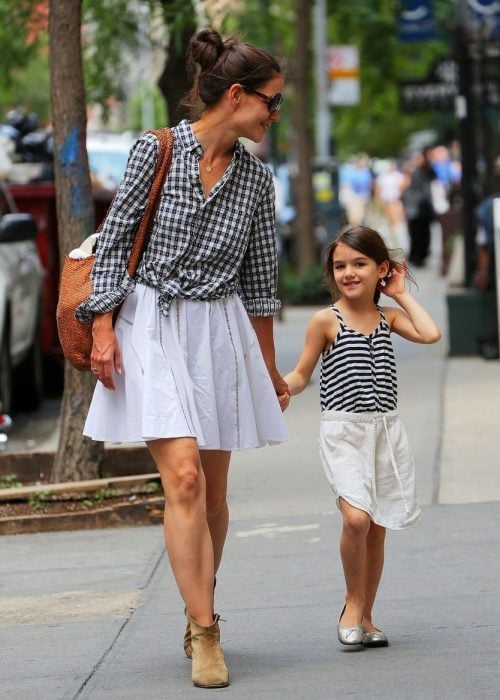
95	614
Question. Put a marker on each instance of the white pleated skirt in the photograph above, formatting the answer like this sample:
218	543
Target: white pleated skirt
198	372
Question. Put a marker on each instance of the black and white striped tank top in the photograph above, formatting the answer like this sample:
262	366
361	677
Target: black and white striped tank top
358	372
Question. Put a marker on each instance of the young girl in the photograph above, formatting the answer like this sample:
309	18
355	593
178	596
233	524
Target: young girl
363	445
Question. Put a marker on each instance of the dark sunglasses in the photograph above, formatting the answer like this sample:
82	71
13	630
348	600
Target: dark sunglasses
273	102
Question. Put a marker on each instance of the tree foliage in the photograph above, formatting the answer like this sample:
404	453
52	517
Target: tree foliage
377	125
20	23
108	27
110	33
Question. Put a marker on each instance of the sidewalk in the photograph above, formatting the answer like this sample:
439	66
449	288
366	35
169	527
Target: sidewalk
95	614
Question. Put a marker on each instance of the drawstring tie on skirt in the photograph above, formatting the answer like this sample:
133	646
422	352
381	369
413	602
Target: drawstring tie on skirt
373	424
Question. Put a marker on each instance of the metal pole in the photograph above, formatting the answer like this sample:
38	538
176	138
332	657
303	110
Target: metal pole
323	116
468	140
496	247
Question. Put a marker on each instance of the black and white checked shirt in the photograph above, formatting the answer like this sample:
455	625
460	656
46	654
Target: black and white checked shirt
199	248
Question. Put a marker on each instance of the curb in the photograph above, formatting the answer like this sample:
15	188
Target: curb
146	512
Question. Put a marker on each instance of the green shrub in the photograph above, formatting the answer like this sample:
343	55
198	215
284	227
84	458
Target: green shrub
9	481
304	288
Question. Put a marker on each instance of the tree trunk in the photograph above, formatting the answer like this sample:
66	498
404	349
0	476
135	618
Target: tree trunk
77	457
305	202
173	82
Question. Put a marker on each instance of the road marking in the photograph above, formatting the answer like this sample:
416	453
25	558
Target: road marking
271	531
68	606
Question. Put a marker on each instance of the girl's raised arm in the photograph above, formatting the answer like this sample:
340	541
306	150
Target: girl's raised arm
411	321
317	337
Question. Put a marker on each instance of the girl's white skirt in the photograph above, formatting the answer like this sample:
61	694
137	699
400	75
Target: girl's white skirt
198	372
369	463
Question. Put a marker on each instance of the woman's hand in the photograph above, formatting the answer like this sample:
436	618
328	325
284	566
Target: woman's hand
106	356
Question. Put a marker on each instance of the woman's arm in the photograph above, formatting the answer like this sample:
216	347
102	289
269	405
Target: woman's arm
317	336
110	280
258	275
263	327
411	321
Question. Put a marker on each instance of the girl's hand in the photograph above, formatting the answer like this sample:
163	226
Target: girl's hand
284	400
394	284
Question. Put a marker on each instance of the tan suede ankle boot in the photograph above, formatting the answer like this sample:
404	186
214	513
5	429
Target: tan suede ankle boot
188	649
209	668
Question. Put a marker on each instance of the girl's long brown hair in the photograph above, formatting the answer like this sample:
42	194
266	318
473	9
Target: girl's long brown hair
368	242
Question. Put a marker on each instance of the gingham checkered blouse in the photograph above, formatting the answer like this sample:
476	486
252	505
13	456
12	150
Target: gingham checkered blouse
199	248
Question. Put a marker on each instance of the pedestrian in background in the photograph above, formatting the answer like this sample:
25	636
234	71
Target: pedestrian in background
189	366
389	186
356	188
363	445
419	209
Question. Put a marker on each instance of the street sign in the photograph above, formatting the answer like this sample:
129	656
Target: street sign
343	69
438	91
484	18
416	21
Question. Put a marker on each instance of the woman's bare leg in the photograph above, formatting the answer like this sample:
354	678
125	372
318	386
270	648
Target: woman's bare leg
374	565
215	465
356	524
187	535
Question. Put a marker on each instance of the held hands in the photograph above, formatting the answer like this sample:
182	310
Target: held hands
281	389
284	400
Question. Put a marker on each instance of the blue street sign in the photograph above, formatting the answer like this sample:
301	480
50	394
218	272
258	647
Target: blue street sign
416	21
484	16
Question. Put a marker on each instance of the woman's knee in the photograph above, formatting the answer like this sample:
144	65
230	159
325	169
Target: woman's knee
184	483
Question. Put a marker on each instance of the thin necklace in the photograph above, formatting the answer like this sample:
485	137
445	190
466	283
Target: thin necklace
209	168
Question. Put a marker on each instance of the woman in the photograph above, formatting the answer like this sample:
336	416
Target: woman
190	364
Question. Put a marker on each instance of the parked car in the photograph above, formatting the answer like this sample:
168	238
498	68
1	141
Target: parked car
108	155
21	291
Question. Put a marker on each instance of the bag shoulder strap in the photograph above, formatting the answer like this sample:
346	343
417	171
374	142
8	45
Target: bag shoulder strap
165	138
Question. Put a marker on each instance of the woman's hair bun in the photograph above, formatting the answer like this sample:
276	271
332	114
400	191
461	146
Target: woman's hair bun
205	48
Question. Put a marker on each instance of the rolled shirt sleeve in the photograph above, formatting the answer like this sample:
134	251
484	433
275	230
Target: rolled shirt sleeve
259	272
110	279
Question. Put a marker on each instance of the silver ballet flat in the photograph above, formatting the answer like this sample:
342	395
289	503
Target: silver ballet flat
375	639
349	635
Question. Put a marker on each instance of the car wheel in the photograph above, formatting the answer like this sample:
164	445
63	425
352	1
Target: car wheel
5	374
28	380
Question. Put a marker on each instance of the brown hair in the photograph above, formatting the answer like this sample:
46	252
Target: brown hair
214	65
368	242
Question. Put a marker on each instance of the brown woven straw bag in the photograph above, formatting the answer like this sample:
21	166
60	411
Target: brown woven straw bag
76	283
